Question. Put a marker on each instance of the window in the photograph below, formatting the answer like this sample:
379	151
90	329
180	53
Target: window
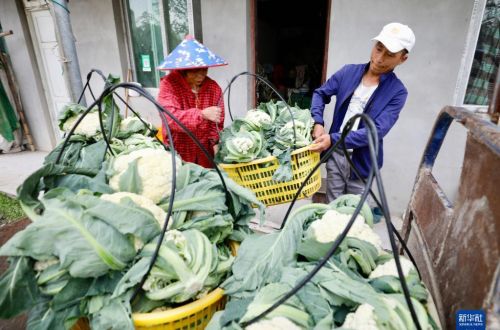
156	27
482	56
486	57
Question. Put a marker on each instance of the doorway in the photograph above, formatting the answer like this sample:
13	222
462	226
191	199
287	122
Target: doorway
50	62
290	43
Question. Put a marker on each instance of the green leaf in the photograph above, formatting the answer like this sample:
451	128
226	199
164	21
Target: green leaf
292	309
284	172
44	317
127	217
392	284
95	246
130	180
310	295
92	156
18	289
115	314
200	196
29	191
70	155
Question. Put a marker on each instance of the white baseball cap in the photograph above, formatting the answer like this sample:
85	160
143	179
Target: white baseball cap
396	37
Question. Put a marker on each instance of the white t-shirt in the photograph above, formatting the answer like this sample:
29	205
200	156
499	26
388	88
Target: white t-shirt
358	102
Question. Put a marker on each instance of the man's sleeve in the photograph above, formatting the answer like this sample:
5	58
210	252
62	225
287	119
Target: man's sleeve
167	97
323	95
383	122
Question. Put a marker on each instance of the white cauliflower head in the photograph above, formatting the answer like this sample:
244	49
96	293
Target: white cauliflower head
258	118
276	323
154	167
88	127
389	268
41	265
243	144
333	223
176	237
141	201
362	319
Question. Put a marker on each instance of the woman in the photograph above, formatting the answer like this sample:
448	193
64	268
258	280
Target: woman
193	98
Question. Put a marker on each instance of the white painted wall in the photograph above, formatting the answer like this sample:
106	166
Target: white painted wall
430	74
27	75
97	41
226	32
98	44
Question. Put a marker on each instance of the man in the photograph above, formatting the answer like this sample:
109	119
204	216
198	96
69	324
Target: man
370	88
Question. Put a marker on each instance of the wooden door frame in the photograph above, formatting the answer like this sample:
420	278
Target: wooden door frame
327	39
253	49
253	52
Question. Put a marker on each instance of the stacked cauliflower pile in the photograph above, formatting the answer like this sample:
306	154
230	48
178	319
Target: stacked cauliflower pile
98	213
358	288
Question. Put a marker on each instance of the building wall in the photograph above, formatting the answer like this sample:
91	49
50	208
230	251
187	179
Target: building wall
99	40
226	32
430	75
27	75
100	44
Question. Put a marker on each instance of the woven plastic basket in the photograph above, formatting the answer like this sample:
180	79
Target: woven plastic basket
195	315
258	177
192	316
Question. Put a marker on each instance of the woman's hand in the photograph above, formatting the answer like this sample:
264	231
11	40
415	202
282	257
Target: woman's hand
212	114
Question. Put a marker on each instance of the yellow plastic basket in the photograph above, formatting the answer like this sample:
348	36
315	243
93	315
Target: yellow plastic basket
192	316
258	177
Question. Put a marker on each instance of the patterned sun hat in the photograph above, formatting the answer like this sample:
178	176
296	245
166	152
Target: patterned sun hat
190	54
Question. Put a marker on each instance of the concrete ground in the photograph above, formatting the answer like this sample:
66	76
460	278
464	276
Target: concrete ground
16	167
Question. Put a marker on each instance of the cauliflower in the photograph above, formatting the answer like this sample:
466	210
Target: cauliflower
88	127
129	122
243	144
276	323
44	264
331	225
141	201
363	318
154	168
389	268
176	237
258	118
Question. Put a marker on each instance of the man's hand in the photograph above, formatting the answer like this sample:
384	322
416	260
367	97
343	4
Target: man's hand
318	131
321	143
212	114
216	148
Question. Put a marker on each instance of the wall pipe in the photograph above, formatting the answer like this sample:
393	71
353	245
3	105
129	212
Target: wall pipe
68	49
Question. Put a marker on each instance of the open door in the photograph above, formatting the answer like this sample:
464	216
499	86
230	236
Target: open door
49	59
290	48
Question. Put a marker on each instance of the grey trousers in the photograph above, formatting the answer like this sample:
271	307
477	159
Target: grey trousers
337	178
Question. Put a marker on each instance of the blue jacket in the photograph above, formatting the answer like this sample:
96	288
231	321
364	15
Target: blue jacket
383	107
